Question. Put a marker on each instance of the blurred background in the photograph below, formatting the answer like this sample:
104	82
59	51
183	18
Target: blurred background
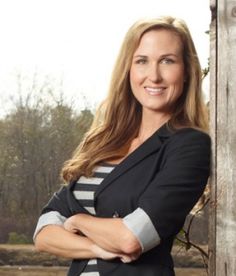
56	58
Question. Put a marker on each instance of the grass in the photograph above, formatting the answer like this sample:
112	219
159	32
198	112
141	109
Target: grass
23	260
61	271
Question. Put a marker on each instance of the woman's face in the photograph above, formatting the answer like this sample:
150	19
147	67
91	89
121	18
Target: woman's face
157	71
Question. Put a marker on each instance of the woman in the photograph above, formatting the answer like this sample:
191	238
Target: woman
142	166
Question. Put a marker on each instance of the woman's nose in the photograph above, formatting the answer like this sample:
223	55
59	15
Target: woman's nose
154	73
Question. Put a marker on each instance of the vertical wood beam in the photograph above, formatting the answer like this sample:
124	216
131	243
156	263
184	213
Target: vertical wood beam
223	131
213	133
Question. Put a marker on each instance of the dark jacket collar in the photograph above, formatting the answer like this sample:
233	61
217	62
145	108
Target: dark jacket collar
152	144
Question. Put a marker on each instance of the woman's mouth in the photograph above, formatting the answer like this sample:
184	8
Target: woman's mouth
154	90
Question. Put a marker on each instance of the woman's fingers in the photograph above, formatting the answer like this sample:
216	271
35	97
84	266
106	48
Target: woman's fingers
129	258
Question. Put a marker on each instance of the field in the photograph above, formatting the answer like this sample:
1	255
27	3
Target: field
23	260
60	271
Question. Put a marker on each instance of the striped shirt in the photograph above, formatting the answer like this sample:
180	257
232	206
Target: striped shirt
138	222
84	191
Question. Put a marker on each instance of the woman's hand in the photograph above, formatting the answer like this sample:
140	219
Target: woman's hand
125	258
106	255
70	225
111	234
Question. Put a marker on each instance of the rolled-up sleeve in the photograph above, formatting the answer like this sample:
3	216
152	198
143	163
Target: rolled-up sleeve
139	223
54	212
50	218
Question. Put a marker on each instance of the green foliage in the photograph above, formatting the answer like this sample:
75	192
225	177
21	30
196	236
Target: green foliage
15	238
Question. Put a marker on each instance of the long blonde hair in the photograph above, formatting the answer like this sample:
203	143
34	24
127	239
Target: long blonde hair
118	119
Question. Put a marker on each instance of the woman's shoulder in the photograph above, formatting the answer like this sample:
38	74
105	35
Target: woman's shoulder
190	135
190	131
188	145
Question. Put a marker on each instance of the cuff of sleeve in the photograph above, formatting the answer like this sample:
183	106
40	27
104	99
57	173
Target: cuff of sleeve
52	217
140	224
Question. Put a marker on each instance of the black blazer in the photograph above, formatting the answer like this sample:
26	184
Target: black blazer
165	177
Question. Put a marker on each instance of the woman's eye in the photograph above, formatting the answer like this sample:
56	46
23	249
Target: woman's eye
167	61
141	61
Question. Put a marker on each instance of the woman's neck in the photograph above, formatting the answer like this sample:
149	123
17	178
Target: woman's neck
150	123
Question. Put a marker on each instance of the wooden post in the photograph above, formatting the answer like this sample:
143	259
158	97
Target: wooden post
222	239
213	112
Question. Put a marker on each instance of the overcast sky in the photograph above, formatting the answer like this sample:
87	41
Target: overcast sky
78	41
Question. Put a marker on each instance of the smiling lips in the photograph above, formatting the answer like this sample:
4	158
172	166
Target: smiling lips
154	90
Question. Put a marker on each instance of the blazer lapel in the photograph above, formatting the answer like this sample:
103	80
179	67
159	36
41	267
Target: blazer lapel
149	146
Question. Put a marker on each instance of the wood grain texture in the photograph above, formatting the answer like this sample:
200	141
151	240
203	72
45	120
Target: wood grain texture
213	108
223	130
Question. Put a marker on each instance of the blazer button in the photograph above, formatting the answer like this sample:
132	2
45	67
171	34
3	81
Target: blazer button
115	215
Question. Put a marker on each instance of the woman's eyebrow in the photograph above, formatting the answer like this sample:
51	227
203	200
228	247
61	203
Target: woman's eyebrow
161	56
169	54
140	56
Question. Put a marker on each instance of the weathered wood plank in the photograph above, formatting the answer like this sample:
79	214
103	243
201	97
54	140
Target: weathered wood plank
224	139
212	105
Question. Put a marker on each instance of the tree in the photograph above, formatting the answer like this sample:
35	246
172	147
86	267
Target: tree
36	138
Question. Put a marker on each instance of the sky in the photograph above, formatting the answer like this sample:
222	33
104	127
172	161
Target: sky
75	42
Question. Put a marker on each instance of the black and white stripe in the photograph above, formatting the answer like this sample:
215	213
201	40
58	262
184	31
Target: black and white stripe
137	222
84	191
